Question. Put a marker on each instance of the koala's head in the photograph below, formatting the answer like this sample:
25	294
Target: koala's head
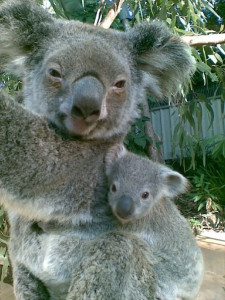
136	183
87	80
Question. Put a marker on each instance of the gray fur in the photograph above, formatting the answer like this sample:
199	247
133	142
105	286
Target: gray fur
52	183
150	187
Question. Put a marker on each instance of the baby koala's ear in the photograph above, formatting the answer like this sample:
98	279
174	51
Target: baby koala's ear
114	153
174	183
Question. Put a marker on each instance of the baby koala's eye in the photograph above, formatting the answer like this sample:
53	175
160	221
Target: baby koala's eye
145	195
113	188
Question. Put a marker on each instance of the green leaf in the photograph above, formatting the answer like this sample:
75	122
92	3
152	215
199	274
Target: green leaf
219	58
201	205
197	198
5	240
149	139
219	148
144	118
211	111
202	97
163	10
201	66
196	54
2	212
208	5
5	267
2	252
199	117
213	77
190	119
159	145
140	142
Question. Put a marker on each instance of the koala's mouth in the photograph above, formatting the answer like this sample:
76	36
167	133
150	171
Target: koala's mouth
124	218
78	127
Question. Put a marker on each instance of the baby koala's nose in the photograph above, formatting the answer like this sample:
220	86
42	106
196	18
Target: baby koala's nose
125	207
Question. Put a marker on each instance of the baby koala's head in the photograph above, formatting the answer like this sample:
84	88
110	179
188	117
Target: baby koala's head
136	183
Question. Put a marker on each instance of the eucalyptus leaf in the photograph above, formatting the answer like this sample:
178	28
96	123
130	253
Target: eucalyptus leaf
140	142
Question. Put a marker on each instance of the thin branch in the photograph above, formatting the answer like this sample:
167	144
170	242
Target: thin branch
153	152
112	13
199	40
98	15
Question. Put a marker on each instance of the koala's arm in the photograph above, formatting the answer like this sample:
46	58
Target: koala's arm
27	286
26	144
114	266
42	176
30	155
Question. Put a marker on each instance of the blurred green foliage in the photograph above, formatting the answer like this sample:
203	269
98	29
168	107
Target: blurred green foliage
208	176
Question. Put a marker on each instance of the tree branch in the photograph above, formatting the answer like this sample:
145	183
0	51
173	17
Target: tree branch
199	40
153	151
112	13
98	16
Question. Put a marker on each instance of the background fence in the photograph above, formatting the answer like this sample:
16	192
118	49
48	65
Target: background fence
165	118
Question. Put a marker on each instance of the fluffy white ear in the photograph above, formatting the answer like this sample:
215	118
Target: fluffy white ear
23	24
114	153
174	182
164	60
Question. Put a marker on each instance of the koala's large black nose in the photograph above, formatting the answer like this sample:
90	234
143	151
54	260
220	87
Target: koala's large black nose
87	100
125	207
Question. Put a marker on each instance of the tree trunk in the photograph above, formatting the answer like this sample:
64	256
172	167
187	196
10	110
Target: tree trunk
112	14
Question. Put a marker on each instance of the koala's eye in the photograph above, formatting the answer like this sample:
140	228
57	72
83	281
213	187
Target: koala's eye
119	87
113	188
54	73
145	195
120	84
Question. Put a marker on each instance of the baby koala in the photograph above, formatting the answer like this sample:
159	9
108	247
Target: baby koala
140	195
136	184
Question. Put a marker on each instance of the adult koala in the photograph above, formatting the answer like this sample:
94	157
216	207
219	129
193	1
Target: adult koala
85	82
